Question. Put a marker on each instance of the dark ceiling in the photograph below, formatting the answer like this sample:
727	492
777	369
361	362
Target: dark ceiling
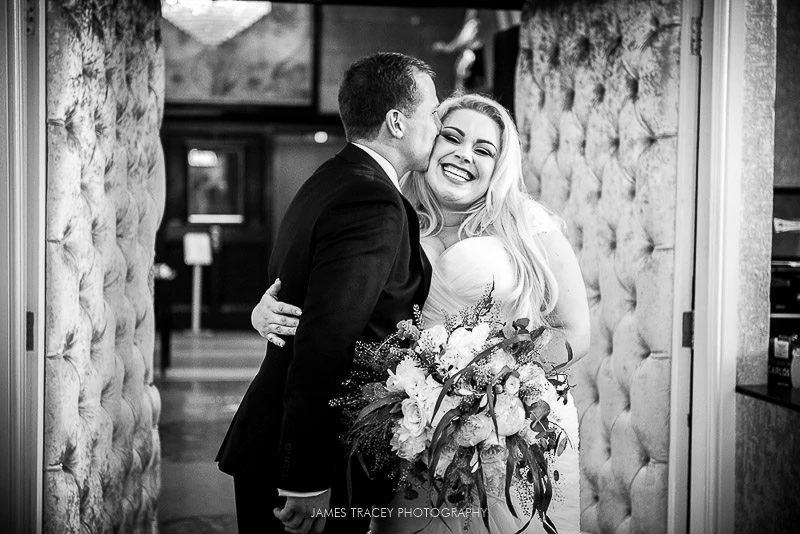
479	4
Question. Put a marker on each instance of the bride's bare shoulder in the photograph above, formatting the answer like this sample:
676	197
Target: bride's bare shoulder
540	219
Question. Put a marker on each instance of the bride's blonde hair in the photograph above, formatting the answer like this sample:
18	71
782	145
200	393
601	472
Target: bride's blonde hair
505	212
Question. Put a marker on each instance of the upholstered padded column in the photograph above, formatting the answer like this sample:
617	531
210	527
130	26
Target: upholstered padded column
597	108
105	198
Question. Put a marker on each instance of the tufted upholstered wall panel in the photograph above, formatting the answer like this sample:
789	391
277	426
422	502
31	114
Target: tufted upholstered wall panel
105	197
597	108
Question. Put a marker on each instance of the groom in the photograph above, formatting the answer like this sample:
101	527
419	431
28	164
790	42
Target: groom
348	252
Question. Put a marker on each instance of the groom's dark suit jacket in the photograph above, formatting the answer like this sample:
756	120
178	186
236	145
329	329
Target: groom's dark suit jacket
348	255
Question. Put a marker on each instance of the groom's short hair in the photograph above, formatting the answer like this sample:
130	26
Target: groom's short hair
375	84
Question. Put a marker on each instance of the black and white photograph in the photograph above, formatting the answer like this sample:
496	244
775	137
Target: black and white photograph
385	267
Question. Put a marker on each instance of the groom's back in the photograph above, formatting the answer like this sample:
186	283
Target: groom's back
294	247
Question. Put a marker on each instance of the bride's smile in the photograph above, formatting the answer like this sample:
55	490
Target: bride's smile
457	173
465	154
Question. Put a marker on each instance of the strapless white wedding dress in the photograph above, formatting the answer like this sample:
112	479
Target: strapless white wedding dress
461	274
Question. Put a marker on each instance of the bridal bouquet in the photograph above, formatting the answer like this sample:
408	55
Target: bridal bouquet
428	405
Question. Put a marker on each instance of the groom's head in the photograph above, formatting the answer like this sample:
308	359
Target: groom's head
391	95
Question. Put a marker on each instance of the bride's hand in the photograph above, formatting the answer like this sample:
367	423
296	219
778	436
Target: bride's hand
271	316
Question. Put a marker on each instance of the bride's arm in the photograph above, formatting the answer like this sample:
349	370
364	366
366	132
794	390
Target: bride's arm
571	314
271	317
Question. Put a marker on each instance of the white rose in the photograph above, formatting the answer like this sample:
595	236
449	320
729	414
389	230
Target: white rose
474	430
434	337
454	360
531	374
500	360
460	338
479	336
510	414
407	377
427	397
414	420
407	446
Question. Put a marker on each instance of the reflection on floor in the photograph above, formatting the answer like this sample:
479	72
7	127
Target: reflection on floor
199	394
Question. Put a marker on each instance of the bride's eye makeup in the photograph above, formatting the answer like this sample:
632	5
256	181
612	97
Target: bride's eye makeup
450	135
455	136
485	151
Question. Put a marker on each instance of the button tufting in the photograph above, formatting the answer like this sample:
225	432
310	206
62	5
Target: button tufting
555	56
633	88
610	76
584	49
599	93
569	99
614	46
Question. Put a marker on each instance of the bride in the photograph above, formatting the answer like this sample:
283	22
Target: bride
479	226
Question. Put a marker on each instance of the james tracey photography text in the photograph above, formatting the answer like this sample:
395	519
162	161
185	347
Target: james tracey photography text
389	512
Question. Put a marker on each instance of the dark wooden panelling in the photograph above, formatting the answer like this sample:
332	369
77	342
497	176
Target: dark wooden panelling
233	284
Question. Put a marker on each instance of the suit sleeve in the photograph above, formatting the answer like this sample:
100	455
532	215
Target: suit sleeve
355	247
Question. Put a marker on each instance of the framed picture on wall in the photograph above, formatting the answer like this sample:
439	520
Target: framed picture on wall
786	224
231	52
215	185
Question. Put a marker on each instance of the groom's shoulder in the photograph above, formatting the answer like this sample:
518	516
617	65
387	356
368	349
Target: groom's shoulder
339	176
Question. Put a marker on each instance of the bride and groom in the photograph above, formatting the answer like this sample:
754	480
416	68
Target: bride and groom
357	255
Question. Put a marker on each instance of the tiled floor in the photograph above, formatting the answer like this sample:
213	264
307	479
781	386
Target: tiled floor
199	395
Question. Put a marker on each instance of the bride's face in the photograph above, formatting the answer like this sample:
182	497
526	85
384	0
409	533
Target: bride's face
463	159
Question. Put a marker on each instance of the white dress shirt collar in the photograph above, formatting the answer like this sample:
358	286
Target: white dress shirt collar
383	162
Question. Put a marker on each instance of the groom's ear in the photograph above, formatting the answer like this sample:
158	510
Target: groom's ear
394	123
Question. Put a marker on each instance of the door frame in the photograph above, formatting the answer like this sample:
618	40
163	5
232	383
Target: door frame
22	278
683	296
716	340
